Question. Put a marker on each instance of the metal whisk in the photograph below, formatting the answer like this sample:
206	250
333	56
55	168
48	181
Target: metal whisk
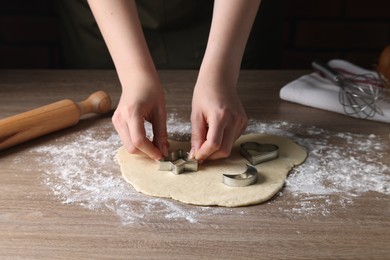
359	94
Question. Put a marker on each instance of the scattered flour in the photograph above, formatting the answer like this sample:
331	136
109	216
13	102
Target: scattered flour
339	168
80	168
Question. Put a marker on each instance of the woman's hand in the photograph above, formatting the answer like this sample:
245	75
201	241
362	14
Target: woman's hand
142	101
142	96
218	119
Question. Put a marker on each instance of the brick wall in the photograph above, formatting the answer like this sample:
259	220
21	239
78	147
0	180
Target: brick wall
355	30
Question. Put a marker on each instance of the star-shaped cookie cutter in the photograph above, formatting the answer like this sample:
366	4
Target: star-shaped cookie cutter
177	162
255	153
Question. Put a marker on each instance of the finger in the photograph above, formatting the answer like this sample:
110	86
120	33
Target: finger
139	139
213	141
198	134
229	137
123	131
244	125
160	135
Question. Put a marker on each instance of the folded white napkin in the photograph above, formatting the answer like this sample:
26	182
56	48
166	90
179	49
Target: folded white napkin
316	91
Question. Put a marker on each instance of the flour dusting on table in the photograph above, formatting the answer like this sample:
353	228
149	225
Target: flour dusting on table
333	174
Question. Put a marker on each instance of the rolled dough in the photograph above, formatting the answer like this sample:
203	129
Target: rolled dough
205	186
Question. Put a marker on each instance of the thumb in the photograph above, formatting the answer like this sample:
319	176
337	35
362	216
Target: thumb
160	135
198	134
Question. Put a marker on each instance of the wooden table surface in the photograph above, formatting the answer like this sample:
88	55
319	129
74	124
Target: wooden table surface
38	220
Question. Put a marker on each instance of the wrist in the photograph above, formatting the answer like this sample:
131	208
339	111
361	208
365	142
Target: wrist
217	76
139	79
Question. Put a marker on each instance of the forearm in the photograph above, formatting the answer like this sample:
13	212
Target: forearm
120	26
231	25
142	96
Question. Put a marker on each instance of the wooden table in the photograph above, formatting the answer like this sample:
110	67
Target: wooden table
37	223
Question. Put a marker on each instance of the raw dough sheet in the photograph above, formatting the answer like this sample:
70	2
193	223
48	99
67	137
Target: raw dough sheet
205	186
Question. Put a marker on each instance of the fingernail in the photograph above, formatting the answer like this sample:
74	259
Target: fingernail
164	149
200	161
191	155
157	157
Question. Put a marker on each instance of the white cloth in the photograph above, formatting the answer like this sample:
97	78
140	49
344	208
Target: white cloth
316	91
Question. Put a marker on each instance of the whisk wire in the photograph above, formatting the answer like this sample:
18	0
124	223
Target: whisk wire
359	94
359	99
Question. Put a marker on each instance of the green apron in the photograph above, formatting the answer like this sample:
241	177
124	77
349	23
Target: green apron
176	32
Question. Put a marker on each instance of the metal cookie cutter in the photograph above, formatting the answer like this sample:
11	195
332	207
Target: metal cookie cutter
177	162
257	153
246	178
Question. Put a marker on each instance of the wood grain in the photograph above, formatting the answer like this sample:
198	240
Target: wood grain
43	120
35	225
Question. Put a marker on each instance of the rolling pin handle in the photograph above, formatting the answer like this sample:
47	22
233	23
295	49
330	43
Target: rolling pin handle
47	119
99	102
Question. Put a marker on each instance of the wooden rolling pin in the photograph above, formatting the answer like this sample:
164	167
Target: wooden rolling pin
43	120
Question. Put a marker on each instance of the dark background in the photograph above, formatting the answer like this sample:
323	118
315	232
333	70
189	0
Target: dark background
355	30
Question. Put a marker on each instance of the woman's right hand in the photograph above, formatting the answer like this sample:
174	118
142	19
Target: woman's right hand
142	101
142	95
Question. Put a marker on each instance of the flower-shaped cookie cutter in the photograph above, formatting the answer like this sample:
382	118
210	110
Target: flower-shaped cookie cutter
177	162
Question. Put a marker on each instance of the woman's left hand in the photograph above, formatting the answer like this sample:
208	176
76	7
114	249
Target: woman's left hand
218	119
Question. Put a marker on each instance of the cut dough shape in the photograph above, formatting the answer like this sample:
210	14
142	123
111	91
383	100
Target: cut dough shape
205	186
